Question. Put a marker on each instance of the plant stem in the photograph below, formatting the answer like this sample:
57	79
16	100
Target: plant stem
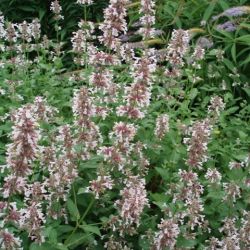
81	220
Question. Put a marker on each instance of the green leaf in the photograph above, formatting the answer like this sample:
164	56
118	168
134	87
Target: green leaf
229	64
77	239
216	194
233	52
163	173
209	11
26	8
245	25
60	246
244	39
44	246
82	191
247	90
73	210
231	110
51	233
182	242
61	229
91	229
223	4
193	93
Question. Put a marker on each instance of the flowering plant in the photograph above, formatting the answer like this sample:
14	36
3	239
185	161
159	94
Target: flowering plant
137	147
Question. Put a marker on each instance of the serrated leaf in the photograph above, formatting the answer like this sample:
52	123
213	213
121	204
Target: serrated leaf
231	110
163	173
82	191
182	242
77	239
218	195
193	93
73	210
91	229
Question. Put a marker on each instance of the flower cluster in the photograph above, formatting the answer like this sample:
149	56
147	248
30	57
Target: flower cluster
100	185
213	175
162	126
216	106
56	8
24	148
25	32
197	143
88	134
197	56
134	199
166	237
84	2
231	239
137	96
8	241
177	47
148	18
41	109
21	153
112	145
114	23
79	41
2	27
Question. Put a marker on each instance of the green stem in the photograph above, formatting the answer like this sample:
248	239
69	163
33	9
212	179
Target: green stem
78	223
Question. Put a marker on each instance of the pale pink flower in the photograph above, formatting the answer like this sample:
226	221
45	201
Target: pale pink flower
245	229
114	23
232	192
2	27
13	184
84	2
100	185
31	220
148	18
166	237
123	132
101	81
216	106
35	29
8	241
137	96
98	58
178	47
56	8
162	126
41	110
213	175
11	33
197	143
112	155
133	201
25	31
231	239
83	106
236	165
25	136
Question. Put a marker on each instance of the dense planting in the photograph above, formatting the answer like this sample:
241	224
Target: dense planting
135	137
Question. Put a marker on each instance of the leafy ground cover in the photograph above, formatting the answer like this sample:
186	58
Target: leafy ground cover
129	132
